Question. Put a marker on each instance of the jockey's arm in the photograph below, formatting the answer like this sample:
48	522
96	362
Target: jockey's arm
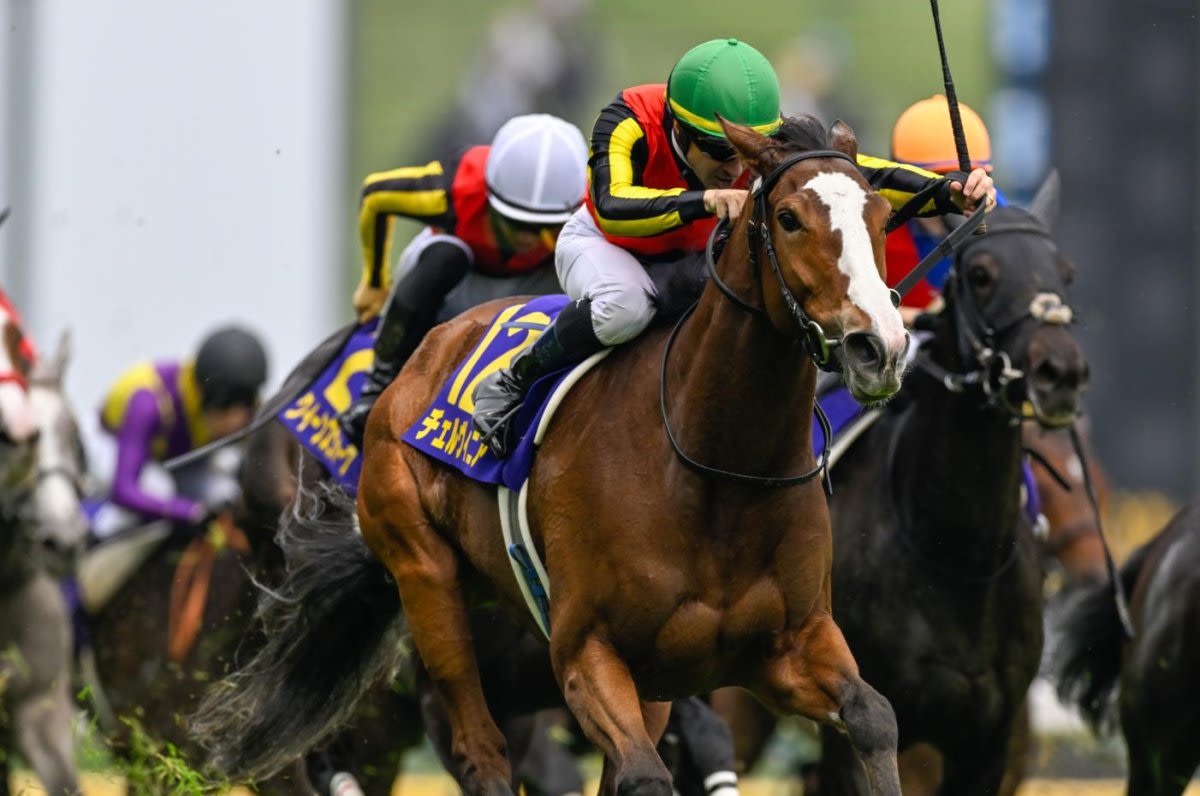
134	440
417	192
899	182
623	207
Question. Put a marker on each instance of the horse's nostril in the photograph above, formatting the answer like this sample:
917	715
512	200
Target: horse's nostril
1051	374
864	350
1048	375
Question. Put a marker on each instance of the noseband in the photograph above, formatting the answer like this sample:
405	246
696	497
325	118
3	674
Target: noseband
978	339
758	231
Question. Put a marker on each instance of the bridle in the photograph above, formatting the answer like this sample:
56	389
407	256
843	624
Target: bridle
73	474
990	368
818	346
758	231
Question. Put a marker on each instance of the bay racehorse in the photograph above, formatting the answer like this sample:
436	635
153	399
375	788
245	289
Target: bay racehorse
1147	683
667	579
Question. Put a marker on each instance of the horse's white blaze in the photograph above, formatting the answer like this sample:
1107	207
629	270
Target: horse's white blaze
846	201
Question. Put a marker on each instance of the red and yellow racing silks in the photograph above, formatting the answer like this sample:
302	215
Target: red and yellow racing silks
454	203
644	198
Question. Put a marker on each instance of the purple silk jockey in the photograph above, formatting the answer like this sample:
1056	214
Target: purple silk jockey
160	410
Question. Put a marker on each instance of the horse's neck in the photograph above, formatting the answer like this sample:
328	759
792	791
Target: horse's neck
17	562
957	473
740	394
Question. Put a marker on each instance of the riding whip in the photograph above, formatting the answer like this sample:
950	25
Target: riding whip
960	137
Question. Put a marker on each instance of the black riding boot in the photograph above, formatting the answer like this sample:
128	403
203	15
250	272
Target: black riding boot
409	314
569	340
400	331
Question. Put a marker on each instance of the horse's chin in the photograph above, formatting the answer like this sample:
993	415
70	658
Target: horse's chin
1054	413
872	392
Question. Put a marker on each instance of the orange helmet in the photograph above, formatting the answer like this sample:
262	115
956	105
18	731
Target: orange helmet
923	136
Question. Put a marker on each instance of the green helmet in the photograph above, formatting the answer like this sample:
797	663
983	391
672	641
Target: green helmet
726	77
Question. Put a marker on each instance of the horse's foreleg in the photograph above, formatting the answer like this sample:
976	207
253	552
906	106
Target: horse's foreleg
812	673
600	692
426	570
43	729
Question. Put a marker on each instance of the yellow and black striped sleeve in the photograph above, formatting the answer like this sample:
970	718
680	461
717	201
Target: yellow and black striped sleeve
421	193
623	206
899	182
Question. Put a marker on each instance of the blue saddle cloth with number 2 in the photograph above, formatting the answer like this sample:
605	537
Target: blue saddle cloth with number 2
445	430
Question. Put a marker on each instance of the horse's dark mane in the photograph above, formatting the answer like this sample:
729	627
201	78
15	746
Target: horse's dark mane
802	133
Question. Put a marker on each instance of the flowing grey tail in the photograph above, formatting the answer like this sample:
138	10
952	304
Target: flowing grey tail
331	632
1087	661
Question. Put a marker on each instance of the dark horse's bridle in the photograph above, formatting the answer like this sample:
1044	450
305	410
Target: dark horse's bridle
818	346
978	339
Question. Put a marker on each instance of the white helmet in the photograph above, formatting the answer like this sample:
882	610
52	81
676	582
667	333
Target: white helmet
537	169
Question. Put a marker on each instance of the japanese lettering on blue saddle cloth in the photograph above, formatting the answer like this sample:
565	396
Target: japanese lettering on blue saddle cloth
312	416
445	430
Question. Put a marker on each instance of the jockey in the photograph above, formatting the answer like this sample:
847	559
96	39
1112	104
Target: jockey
662	172
159	410
923	137
498	211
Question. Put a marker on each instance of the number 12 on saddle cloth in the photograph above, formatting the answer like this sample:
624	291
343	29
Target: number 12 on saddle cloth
445	431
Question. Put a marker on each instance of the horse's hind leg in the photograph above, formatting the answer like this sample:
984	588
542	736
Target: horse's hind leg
600	692
812	673
426	570
44	735
751	724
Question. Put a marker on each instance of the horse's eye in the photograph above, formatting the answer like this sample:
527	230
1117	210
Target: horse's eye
789	222
979	277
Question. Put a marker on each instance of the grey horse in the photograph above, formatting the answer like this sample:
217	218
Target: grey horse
41	531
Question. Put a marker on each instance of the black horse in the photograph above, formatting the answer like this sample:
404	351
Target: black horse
936	574
1155	673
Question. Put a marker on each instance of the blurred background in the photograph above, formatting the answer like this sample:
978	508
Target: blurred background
171	166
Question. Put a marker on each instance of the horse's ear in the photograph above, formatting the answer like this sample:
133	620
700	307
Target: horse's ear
760	152
53	368
842	139
1046	202
62	353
